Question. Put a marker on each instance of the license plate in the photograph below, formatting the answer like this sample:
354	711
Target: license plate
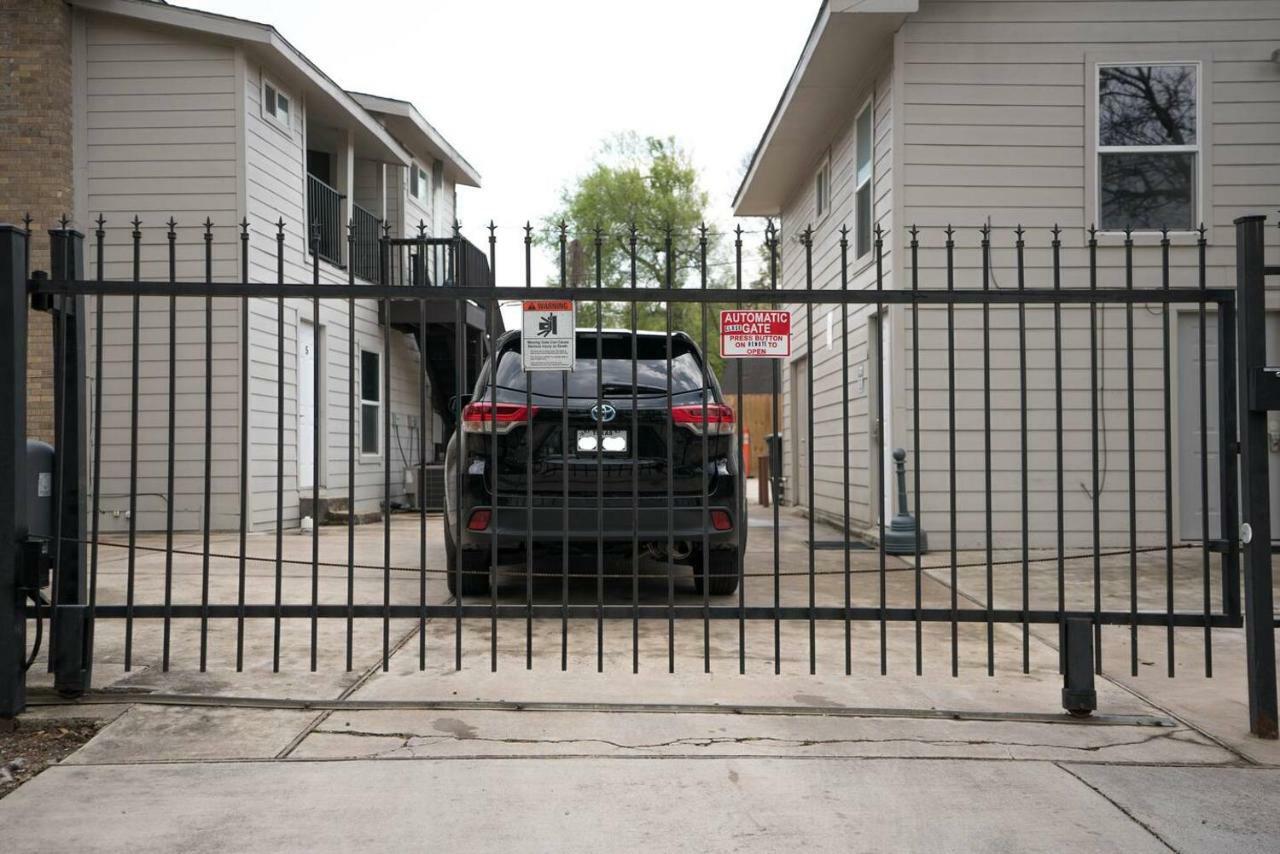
611	441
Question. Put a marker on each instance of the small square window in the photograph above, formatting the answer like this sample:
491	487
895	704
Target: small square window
822	189
275	104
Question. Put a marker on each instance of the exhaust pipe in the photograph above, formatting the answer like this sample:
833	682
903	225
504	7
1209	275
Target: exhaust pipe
680	550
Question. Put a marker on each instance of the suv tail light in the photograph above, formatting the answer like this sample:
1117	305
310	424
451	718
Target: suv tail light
718	419
498	418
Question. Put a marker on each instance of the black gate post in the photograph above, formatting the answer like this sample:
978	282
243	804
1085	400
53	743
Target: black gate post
69	638
13	468
1255	484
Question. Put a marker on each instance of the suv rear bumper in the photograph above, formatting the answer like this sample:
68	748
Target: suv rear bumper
610	524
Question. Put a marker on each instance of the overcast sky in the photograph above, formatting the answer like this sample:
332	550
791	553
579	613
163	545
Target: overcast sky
527	89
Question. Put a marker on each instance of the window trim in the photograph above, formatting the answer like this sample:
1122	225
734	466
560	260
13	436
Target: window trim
374	455
272	116
419	177
824	169
1203	60
868	106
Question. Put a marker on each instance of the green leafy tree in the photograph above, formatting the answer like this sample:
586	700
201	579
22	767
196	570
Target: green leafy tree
647	192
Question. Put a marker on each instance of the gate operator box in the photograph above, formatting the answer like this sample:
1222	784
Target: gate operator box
40	512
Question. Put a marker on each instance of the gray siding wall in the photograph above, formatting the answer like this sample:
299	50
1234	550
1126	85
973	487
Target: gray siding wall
996	107
157	125
829	391
276	165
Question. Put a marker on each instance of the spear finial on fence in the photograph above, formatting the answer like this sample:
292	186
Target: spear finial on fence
137	226
844	236
914	232
422	228
102	221
1019	232
244	225
26	222
457	228
1128	232
950	232
280	229
806	236
737	233
1057	232
1201	230
63	222
879	233
1093	232
632	233
986	232
528	231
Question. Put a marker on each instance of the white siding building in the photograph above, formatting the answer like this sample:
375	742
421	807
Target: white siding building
935	113
184	114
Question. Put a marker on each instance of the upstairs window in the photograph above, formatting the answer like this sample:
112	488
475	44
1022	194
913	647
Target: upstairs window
862	131
1148	147
275	104
822	189
419	183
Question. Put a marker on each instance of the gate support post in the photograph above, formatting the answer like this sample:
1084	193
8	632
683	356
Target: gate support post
70	635
1079	697
13	469
1255	511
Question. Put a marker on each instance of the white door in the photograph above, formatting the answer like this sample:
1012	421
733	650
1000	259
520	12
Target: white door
306	404
1190	524
800	415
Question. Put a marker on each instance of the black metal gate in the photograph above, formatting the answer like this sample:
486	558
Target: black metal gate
446	290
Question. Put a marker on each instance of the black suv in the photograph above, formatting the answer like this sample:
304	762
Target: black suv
615	471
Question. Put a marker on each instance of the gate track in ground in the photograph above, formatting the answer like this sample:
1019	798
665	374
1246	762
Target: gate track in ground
354	686
1133	692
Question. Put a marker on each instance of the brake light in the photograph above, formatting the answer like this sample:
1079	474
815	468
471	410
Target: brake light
720	520
484	417
479	520
718	420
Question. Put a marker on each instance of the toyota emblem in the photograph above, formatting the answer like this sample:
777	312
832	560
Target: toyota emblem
604	412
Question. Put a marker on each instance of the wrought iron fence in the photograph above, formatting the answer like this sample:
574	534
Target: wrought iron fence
983	372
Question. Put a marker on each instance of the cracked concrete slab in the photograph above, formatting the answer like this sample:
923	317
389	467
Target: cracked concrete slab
403	734
1203	809
743	805
169	733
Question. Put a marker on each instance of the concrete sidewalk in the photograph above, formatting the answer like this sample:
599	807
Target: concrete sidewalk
423	755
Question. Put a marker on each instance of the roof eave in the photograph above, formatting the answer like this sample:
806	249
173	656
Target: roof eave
752	199
462	172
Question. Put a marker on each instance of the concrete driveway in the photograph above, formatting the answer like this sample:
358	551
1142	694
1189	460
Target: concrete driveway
584	751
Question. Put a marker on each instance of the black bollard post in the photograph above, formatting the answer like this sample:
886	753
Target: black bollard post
902	533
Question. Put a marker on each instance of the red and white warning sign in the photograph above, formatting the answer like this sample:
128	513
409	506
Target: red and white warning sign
547	335
755	332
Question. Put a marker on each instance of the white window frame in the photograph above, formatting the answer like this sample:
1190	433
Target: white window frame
272	113
822	189
378	404
1203	60
868	108
419	177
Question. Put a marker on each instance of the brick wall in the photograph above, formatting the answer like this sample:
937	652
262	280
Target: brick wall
35	158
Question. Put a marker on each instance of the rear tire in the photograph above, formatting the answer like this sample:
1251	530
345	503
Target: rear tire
721	571
476	569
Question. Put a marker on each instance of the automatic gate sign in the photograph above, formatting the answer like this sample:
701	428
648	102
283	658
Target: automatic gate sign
758	333
547	335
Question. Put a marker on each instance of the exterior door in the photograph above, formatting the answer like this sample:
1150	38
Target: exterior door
1188	369
800	414
306	404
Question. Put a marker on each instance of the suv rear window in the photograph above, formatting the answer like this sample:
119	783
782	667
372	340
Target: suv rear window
615	369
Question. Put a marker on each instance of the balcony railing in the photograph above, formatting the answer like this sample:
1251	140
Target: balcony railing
366	229
324	217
